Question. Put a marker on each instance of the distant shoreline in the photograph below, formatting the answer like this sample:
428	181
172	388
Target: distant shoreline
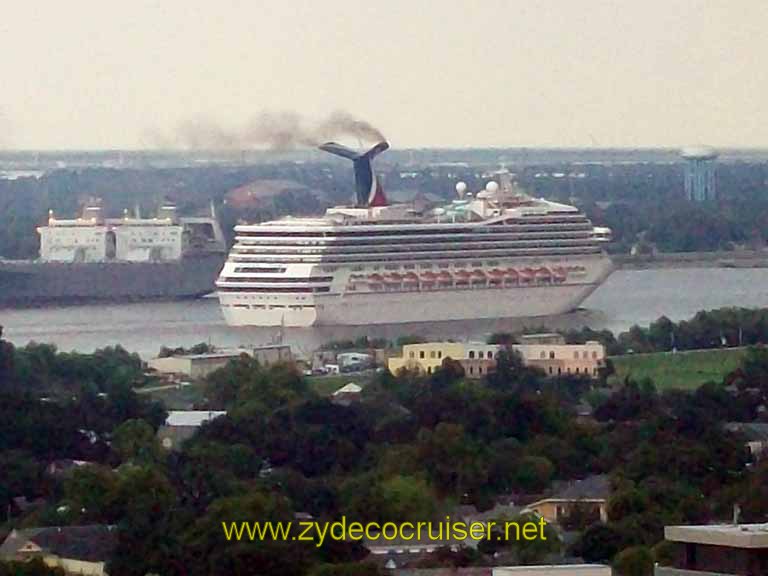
719	259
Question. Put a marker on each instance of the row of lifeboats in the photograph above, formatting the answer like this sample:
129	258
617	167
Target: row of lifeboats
541	274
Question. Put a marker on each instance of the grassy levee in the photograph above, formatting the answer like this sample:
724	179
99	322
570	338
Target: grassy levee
685	370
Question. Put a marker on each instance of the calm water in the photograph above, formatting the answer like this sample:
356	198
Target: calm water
628	297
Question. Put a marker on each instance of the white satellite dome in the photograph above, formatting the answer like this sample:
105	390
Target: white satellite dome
492	187
461	188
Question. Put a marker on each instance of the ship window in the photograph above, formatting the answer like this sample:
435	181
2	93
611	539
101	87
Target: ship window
552	355
433	354
425	266
471	353
594	355
412	355
421	354
489	355
543	354
576	355
477	263
439	353
585	355
460	265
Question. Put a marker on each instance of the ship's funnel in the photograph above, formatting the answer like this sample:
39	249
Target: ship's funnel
367	187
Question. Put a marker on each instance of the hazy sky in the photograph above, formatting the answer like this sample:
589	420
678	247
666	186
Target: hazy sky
108	74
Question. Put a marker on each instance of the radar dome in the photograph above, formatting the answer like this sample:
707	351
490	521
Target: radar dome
492	187
461	188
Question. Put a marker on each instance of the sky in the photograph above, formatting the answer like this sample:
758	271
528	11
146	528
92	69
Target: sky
471	73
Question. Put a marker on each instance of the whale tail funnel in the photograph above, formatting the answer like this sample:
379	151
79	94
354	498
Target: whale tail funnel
368	189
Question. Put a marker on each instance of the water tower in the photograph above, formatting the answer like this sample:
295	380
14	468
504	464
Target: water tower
699	173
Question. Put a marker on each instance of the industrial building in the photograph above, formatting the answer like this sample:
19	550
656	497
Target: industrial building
196	366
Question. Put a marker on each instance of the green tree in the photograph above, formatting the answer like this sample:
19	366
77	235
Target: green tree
135	440
634	561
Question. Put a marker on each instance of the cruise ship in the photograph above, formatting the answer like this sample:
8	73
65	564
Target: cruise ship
95	258
498	253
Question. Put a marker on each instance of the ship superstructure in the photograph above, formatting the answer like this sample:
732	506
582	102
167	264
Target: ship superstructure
92	257
496	254
93	238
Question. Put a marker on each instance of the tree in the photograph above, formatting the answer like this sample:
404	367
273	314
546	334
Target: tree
599	543
634	561
405	498
135	440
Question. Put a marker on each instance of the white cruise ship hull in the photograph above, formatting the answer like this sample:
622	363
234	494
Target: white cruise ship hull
368	308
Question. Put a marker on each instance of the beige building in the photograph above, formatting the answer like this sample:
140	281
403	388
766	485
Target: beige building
196	366
560	359
545	351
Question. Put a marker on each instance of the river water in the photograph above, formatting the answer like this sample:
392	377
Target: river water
628	297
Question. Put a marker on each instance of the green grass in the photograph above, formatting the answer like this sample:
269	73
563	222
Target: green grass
179	398
682	370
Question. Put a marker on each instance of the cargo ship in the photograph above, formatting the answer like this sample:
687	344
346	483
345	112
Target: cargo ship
498	253
92	258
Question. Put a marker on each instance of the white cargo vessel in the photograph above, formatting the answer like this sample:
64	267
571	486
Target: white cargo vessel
496	254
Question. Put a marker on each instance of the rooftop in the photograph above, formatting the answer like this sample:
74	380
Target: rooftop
730	535
191	417
91	543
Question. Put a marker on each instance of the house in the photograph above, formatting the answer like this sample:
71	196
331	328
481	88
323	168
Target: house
401	553
181	425
351	361
717	550
755	433
75	549
588	496
196	366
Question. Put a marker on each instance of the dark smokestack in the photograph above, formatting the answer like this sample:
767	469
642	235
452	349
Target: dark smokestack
367	187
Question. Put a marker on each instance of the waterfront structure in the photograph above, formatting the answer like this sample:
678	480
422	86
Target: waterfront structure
545	351
717	550
93	257
699	175
196	366
499	253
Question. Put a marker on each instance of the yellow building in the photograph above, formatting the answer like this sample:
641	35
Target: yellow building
426	357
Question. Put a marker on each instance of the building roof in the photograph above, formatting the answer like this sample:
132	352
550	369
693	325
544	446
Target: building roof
754	431
597	487
191	417
350	388
730	535
91	543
